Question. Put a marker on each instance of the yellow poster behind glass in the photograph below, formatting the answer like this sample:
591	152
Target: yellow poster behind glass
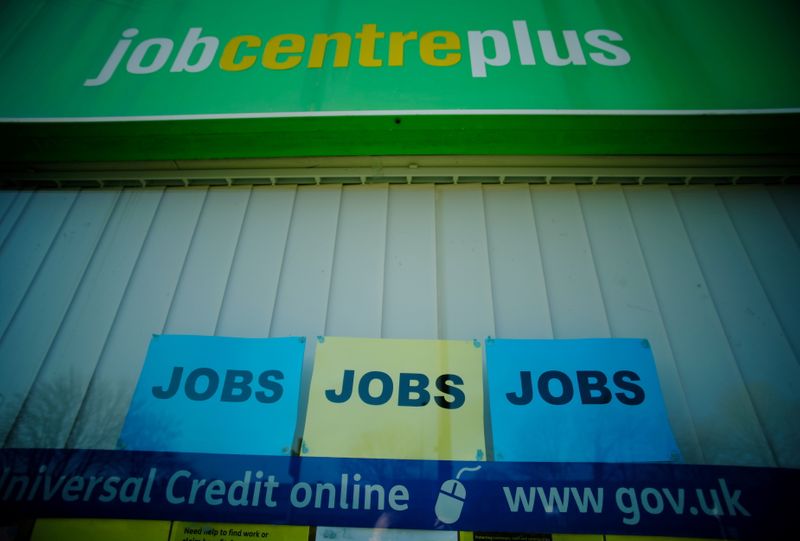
90	529
212	531
651	538
400	399
470	536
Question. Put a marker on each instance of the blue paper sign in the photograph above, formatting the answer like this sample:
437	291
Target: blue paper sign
628	499
216	395
594	400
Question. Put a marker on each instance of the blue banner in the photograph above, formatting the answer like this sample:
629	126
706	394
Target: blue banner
217	395
634	499
595	400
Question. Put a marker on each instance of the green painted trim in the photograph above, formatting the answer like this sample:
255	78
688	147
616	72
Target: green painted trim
403	135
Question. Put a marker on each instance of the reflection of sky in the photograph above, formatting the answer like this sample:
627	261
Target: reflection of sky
327	533
214	426
46	417
576	432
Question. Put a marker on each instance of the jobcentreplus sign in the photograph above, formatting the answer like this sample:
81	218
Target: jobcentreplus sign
438	48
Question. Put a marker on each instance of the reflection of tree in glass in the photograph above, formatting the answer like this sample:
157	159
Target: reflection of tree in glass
47	417
778	429
103	414
161	430
7	413
44	419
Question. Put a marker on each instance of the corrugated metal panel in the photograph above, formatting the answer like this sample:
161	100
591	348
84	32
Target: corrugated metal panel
707	273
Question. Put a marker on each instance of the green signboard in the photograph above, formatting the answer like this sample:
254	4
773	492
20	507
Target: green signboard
95	61
153	59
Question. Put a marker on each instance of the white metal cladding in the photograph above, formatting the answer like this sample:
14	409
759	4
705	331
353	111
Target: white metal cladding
709	274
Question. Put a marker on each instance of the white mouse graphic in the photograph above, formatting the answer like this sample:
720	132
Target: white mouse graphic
451	498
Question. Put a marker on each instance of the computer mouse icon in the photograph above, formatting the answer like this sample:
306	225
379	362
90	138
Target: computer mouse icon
450	501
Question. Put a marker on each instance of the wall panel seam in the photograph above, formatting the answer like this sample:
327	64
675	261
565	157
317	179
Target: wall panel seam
665	328
333	260
437	260
41	264
43	361
725	332
233	259
753	268
537	228
10	205
488	264
772	196
594	264
92	379
186	257
385	262
282	269
22	212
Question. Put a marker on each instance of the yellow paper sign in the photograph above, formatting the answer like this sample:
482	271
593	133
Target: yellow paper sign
211	531
649	538
402	399
471	536
90	529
